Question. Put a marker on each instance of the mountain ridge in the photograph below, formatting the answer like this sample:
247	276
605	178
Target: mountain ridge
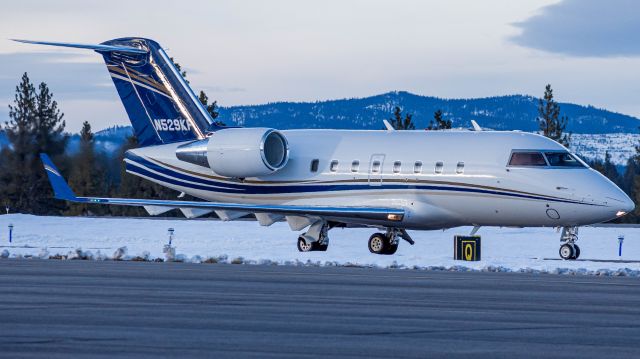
509	112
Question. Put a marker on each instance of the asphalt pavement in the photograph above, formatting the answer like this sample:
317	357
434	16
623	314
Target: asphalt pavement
51	308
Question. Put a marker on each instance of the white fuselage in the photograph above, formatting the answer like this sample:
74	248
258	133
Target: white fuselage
474	186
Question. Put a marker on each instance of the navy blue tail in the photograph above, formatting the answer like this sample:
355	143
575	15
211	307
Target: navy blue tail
160	104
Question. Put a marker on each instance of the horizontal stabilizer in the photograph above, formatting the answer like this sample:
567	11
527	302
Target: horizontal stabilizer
99	48
61	189
295	214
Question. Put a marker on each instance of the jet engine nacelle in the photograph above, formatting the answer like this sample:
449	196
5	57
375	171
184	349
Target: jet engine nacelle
239	152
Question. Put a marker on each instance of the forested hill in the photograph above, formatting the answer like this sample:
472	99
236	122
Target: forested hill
514	112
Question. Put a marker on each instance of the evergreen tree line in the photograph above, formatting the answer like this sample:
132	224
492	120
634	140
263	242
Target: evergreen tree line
36	126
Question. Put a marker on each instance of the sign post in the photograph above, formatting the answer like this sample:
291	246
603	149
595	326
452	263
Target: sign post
10	232
620	240
466	248
168	250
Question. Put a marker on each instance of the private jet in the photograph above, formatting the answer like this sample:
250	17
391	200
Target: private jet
316	180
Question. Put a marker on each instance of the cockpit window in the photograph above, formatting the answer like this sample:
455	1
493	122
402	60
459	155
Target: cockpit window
527	158
562	159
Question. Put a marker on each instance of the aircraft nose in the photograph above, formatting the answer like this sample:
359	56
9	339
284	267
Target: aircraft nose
628	205
620	202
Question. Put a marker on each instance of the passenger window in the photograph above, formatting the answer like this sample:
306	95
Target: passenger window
527	159
375	167
355	165
439	166
397	166
314	165
460	168
417	167
334	166
562	159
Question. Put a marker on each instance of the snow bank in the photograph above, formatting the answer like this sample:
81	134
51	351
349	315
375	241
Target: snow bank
528	250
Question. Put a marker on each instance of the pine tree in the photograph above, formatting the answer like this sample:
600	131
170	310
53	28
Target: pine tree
631	184
551	124
212	108
400	123
35	127
610	170
85	176
49	138
180	70
438	123
17	159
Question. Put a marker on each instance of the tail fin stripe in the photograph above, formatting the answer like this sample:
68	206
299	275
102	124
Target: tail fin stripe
142	85
177	99
139	77
142	104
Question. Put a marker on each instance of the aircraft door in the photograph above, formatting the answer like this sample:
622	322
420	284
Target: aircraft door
375	169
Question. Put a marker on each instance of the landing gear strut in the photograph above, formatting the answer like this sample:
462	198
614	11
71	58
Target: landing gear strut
315	239
387	243
569	250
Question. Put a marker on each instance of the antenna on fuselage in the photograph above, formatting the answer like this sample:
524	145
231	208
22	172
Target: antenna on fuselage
388	125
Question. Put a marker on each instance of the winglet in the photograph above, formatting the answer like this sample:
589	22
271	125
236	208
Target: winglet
475	125
61	189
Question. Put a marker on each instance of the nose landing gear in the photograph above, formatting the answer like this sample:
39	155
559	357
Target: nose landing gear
569	250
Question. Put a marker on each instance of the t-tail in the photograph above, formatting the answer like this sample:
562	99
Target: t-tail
161	106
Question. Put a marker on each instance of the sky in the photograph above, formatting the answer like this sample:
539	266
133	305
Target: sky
251	52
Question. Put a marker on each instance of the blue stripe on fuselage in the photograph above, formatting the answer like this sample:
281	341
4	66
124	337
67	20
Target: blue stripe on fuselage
173	177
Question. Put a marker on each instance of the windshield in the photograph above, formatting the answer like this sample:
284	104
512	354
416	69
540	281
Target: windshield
562	159
527	159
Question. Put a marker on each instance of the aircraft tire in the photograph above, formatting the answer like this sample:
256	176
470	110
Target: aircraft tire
320	247
303	246
576	253
391	248
378	243
567	251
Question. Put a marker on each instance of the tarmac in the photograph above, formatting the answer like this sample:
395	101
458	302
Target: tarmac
53	308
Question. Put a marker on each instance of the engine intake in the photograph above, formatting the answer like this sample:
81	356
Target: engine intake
239	152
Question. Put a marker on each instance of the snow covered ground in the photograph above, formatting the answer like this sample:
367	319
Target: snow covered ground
503	249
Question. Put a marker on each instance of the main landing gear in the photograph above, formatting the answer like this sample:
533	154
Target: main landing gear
387	243
569	250
315	239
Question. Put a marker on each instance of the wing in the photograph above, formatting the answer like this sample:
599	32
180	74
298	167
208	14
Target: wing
363	215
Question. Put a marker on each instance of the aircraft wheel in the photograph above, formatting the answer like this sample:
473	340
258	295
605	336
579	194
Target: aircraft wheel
378	243
567	252
576	254
392	248
320	247
303	246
